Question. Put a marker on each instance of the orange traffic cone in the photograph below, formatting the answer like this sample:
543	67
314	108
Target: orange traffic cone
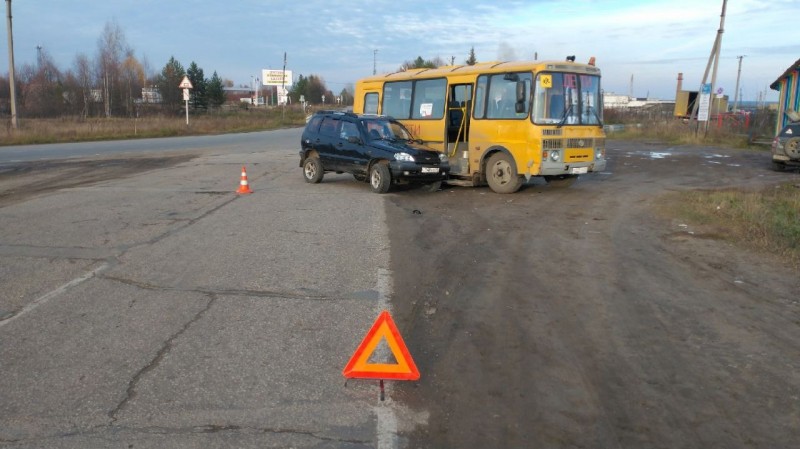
244	187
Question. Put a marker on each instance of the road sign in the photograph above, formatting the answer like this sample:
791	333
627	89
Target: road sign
705	102
383	329
185	84
185	94
276	77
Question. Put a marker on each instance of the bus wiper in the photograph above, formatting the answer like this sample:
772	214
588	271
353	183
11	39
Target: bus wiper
564	117
594	112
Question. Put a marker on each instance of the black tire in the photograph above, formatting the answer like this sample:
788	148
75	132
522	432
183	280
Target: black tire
778	166
360	177
561	180
312	170
379	178
432	187
501	174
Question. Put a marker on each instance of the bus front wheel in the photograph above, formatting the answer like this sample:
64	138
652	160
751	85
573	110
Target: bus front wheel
501	175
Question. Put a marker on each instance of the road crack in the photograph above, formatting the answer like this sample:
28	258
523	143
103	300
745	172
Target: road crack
131	392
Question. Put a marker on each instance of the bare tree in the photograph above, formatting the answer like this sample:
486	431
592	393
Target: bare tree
112	48
84	81
133	78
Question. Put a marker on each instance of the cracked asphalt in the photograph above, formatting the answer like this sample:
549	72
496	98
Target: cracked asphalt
145	304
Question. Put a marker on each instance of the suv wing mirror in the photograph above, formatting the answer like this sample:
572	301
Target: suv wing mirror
355	140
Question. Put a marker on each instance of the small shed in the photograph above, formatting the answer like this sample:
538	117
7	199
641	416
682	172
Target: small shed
788	87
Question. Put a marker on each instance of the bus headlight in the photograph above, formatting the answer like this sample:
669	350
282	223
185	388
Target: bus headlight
555	155
405	157
599	153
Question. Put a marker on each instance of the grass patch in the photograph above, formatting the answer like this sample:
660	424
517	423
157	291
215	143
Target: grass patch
69	129
766	220
675	132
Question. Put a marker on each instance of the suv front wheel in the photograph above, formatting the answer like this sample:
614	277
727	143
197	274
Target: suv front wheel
379	178
312	170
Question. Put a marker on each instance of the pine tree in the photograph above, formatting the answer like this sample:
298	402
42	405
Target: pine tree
168	81
215	91
199	98
471	60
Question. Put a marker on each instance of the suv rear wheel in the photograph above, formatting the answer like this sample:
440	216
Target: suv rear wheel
312	170
379	178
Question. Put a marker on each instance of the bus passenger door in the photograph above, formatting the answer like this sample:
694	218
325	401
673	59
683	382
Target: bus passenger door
457	129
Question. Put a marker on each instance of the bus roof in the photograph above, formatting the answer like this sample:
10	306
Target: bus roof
486	67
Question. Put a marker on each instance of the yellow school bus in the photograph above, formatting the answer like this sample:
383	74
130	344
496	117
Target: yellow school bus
500	123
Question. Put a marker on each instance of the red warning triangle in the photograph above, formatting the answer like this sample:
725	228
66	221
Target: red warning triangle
359	366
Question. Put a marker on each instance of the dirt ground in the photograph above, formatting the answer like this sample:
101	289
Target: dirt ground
581	317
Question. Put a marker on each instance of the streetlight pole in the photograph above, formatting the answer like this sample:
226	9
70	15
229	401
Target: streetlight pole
375	62
12	83
736	94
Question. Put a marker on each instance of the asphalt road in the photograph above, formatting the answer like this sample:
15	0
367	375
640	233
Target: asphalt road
144	304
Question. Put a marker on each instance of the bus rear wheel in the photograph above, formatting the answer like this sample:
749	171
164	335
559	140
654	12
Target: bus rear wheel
501	174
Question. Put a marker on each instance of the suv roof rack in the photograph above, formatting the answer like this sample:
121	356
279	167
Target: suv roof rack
331	111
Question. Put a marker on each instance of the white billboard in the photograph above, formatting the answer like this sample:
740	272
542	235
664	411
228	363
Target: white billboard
276	77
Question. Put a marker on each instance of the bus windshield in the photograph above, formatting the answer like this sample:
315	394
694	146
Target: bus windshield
567	99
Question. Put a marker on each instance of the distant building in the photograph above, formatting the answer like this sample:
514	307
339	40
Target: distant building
239	95
788	87
616	101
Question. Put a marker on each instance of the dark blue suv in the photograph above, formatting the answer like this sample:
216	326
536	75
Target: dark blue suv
372	148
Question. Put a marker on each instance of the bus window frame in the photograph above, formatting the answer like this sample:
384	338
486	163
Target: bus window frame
485	82
367	97
398	84
578	80
437	113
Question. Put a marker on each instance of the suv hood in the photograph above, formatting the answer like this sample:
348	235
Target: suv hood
420	152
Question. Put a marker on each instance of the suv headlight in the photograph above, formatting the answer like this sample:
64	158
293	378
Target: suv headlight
442	157
405	157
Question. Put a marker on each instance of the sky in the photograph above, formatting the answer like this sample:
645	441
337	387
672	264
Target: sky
640	45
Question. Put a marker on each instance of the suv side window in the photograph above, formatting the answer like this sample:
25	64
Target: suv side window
329	126
349	129
313	124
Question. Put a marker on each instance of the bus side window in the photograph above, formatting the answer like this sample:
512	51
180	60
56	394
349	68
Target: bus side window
397	99
371	103
480	97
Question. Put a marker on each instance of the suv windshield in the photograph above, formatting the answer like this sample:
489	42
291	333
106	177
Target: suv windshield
385	129
567	99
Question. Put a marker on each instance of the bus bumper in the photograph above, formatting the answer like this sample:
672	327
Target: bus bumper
577	168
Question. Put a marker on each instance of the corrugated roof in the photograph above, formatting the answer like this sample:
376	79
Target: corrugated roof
795	66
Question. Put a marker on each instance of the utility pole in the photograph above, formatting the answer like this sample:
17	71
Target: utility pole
736	94
283	88
713	58
375	62
12	83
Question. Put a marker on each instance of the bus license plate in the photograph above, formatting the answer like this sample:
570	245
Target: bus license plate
580	170
430	170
